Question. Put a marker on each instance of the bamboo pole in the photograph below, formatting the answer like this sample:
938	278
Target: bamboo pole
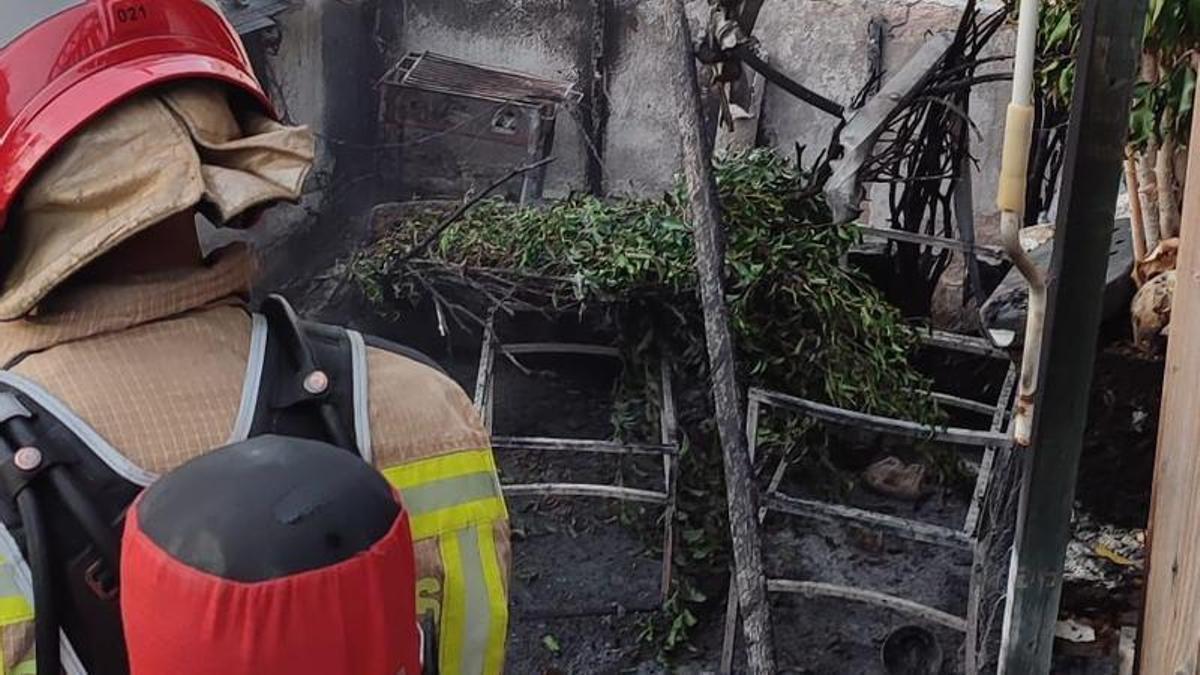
707	235
1137	223
1164	173
1146	163
1109	44
1170	640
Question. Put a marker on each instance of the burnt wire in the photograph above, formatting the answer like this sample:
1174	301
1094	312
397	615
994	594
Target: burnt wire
922	153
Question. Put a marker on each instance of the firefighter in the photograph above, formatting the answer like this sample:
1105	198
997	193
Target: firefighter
125	352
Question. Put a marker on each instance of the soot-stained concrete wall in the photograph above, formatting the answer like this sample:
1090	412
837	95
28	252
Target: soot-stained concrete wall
822	43
324	60
319	66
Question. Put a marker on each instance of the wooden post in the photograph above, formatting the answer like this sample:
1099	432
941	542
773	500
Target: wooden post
707	234
1109	45
1170	640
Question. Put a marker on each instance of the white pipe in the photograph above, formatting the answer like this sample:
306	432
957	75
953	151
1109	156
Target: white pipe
1027	30
1035	319
1011	199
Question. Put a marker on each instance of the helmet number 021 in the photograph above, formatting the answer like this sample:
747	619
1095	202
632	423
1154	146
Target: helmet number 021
130	12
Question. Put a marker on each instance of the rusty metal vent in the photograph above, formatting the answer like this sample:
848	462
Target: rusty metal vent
248	16
442	74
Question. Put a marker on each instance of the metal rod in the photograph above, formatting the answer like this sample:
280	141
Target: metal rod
971	522
962	343
561	348
885	425
668	427
964	216
993	254
536	444
909	529
815	589
584	490
962	403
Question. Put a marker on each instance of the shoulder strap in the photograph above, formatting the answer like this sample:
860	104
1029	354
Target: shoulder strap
70	490
307	384
310	380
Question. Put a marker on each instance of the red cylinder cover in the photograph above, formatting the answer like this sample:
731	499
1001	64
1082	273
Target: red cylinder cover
340	619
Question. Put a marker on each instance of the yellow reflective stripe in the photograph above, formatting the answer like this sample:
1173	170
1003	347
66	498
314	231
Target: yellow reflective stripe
474	606
454	607
497	600
457	517
14	609
457	498
449	492
440	468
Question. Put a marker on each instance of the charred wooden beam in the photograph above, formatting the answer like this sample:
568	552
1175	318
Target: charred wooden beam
710	265
844	188
1109	45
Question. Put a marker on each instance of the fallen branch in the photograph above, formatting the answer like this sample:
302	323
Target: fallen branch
466	206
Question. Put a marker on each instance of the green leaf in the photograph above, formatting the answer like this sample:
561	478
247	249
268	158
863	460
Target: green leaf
1156	7
1061	30
1066	83
1187	96
551	644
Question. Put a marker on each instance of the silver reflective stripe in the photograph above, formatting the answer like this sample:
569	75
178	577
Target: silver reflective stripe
362	404
443	494
253	380
478	610
10	407
24	581
8	579
58	410
18	16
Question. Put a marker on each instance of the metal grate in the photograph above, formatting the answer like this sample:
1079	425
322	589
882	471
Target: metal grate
434	72
248	16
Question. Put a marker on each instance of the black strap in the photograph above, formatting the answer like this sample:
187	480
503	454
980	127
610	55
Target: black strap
69	506
305	380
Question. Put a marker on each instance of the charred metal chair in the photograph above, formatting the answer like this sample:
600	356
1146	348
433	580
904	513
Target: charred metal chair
775	501
667	448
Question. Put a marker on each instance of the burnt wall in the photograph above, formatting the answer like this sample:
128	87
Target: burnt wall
324	61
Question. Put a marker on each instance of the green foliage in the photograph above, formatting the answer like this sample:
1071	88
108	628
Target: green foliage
803	322
1172	33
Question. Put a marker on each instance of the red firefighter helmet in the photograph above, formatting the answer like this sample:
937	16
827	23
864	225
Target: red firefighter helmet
62	62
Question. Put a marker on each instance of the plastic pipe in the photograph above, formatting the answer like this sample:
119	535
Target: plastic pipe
1018	134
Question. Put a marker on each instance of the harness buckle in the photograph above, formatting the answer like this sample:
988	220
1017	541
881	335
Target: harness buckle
100	581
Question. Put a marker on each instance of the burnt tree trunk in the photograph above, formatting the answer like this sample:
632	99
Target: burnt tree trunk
707	235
